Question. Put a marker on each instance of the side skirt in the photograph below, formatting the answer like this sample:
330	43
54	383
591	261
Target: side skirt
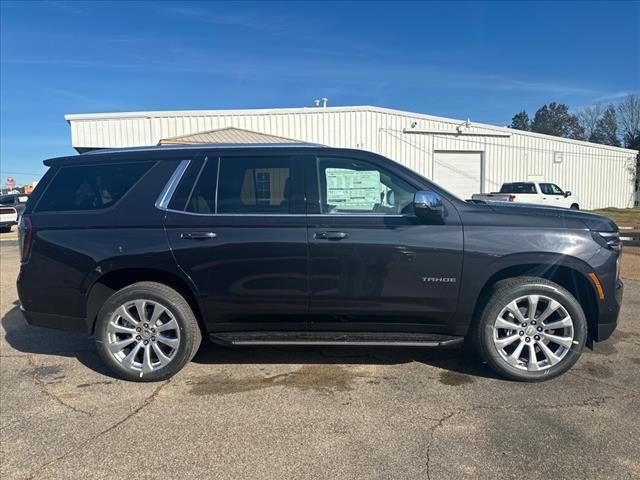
392	339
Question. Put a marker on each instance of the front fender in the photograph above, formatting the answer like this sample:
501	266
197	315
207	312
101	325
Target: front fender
542	251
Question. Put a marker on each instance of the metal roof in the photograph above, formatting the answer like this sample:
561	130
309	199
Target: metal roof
303	110
228	135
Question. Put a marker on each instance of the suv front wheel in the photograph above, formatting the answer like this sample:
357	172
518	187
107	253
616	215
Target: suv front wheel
531	329
146	332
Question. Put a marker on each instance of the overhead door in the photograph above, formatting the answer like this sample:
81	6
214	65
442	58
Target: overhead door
458	172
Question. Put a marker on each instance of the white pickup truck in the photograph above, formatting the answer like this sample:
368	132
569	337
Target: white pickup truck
8	218
531	192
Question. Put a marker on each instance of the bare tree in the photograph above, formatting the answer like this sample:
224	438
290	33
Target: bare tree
629	118
588	118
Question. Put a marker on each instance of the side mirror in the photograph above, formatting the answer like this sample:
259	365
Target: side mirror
567	194
428	205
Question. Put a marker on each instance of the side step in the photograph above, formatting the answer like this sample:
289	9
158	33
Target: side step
368	339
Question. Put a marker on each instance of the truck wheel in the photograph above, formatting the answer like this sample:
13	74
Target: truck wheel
575	206
530	329
146	332
5	229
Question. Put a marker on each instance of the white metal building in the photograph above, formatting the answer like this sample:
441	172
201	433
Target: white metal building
464	157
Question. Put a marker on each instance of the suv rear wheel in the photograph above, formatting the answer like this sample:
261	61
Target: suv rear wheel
146	332
531	329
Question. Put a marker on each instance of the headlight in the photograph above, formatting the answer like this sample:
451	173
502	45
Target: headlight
610	240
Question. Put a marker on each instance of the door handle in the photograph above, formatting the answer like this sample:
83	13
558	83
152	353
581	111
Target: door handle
331	235
198	235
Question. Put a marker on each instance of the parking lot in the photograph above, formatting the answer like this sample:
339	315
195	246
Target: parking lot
312	413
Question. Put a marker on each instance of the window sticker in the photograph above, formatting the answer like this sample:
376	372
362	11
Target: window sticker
353	189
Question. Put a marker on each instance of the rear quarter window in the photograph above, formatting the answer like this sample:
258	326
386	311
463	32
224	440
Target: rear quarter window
90	187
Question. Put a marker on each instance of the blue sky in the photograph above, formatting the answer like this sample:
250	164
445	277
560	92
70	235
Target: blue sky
483	61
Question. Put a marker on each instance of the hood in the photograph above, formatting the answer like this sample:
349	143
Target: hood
564	215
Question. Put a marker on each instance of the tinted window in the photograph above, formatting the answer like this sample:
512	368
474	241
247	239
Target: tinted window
518	188
255	185
183	191
90	187
203	196
550	189
7	200
349	186
546	188
556	190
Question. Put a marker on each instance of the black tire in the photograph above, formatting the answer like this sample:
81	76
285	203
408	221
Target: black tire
575	206
5	229
190	334
506	291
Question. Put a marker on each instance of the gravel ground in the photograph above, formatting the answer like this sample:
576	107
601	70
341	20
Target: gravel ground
311	413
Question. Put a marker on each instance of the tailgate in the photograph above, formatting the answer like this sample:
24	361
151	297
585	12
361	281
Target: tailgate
8	214
495	197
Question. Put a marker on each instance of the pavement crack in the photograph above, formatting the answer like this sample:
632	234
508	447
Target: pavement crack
588	402
432	431
439	422
145	403
43	388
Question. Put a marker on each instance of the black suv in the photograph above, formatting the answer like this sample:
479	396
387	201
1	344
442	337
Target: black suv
149	249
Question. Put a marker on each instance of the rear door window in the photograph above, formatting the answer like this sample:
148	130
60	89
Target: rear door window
203	195
185	187
90	187
259	185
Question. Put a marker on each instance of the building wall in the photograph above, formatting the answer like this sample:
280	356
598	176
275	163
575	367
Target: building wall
599	175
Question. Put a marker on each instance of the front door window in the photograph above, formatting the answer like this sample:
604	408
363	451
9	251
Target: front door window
353	186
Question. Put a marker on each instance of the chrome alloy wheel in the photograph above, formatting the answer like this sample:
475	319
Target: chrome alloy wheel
533	333
143	335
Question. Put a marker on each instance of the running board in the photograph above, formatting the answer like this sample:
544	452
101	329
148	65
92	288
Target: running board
365	339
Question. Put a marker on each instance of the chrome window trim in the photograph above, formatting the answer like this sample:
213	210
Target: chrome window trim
217	184
237	214
169	189
381	215
377	215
